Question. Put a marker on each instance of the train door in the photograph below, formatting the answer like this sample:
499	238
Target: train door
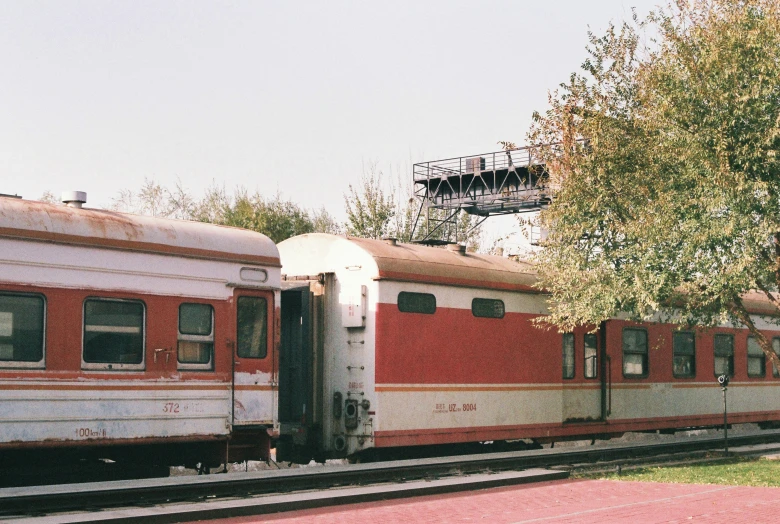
295	357
296	375
254	389
583	388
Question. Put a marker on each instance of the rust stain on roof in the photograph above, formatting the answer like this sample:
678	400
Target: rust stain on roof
432	264
40	221
418	263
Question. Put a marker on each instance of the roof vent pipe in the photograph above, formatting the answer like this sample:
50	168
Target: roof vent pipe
74	198
460	249
390	241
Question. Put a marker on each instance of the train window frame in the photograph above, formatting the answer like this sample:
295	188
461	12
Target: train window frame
113	366
490	307
23	364
195	337
677	353
722	336
776	349
759	356
264	326
569	355
590	362
644	355
406	303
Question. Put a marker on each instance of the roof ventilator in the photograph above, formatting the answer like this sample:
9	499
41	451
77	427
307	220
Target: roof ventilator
74	198
459	249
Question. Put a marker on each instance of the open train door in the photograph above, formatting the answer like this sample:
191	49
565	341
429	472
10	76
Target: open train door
254	387
297	416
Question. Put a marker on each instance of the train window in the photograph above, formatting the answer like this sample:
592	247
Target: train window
487	308
724	355
113	334
196	336
21	330
635	352
416	303
252	327
591	368
756	361
684	357
776	348
568	355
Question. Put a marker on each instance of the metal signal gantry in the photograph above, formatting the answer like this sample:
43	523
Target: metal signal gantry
489	184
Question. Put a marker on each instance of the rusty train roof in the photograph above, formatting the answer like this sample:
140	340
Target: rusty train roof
409	262
39	221
319	252
417	262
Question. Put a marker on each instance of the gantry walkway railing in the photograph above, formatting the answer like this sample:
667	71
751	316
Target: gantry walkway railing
497	183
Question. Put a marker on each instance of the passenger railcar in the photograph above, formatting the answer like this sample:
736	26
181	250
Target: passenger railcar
130	337
389	345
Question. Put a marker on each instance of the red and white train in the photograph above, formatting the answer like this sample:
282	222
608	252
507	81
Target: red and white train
134	338
169	342
392	345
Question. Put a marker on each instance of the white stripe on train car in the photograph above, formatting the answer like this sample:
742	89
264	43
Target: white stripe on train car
47	410
80	267
406	407
461	297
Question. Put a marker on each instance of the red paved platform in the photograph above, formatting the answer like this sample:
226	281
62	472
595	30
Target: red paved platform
567	501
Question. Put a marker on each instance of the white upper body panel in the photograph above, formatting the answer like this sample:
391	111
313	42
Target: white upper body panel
50	245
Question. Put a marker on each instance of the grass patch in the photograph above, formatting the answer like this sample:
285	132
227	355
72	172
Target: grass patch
731	472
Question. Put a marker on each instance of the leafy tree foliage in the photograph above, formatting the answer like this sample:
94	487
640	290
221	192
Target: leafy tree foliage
49	198
155	200
374	212
323	222
370	209
211	208
275	217
666	169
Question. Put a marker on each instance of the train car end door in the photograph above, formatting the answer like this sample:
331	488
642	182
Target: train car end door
295	379
254	386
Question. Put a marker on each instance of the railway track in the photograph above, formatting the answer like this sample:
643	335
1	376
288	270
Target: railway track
48	500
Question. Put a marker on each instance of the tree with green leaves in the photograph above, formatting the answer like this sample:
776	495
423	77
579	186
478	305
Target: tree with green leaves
211	208
376	212
324	222
275	217
155	200
49	198
370	208
664	158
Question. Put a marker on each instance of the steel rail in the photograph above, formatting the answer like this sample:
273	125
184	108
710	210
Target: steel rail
102	495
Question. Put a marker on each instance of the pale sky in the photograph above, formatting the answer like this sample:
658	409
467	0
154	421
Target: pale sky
289	96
